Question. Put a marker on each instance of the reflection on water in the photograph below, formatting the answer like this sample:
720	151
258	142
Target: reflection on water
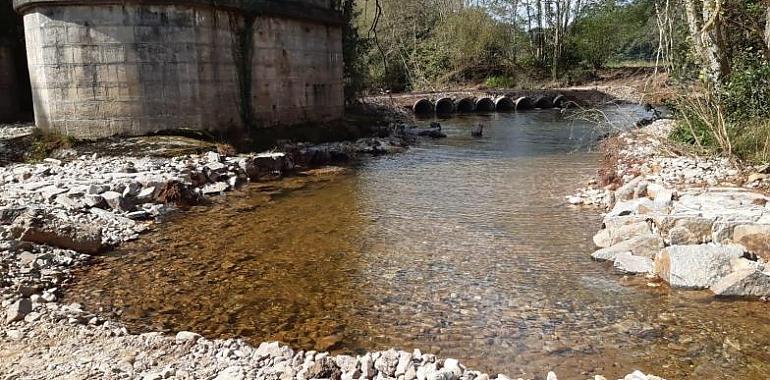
461	247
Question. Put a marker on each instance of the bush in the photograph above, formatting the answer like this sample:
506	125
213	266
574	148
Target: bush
498	81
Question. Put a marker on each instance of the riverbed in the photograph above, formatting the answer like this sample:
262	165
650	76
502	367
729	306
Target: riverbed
462	247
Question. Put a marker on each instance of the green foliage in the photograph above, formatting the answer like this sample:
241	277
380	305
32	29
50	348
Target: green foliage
354	50
427	44
746	91
611	31
498	81
44	144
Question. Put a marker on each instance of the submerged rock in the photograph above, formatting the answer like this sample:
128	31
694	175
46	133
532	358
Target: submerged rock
645	246
744	283
625	262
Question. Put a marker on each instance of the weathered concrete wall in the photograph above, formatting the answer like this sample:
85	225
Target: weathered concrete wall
297	72
9	91
107	70
103	69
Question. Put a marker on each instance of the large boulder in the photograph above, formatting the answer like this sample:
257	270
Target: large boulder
745	282
685	230
696	266
18	310
266	165
41	227
644	245
755	237
611	236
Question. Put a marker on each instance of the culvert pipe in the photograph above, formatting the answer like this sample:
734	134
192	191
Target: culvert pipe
445	106
560	101
504	104
524	103
485	105
466	105
544	102
423	107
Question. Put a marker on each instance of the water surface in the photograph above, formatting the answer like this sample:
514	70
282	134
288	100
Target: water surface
462	247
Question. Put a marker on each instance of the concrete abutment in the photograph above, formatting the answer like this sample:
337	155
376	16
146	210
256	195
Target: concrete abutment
101	68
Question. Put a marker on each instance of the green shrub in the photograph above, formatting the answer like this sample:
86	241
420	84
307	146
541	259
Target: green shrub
497	81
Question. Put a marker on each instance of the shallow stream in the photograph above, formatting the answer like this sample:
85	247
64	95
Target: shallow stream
462	247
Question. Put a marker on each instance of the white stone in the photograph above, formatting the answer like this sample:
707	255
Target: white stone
186	336
625	262
745	282
696	266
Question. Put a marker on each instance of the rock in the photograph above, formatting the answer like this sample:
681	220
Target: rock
116	201
637	375
625	262
94	200
18	310
756	177
696	266
131	189
41	227
629	231
664	198
645	246
626	192
212	157
387	362
633	207
404	363
602	239
97	189
453	366
67	202
347	364
575	201
744	282
367	366
324	368
8	215
215	188
231	373
686	230
755	237
551	376
268	165
146	194
49	193
186	336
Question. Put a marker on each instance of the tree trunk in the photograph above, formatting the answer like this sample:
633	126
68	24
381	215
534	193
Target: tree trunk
705	37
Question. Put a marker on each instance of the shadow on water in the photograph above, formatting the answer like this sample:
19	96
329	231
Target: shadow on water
461	247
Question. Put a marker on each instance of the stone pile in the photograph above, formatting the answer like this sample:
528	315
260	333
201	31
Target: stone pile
683	219
57	213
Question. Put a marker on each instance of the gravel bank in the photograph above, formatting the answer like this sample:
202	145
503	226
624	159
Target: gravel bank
693	222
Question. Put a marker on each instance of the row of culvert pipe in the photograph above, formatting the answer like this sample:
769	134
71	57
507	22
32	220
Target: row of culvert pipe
445	106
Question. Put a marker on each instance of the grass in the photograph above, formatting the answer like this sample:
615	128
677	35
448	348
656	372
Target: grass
44	144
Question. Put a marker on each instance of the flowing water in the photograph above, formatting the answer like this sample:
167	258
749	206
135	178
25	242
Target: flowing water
462	247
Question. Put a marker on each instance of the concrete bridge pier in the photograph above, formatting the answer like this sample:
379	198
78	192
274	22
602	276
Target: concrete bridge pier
101	68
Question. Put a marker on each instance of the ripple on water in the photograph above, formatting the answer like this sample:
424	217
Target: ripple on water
461	247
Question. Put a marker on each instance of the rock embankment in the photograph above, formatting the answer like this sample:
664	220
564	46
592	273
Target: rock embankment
694	222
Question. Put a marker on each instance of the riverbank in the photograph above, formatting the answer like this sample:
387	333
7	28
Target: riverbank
42	338
693	222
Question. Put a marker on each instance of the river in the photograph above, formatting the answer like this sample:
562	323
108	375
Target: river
462	247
